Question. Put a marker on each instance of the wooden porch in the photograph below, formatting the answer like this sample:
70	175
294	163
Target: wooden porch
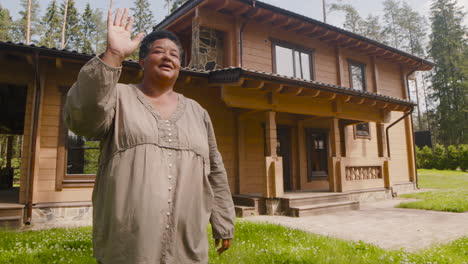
11	212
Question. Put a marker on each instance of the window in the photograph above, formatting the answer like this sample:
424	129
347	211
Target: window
77	157
82	154
357	75
362	130
292	61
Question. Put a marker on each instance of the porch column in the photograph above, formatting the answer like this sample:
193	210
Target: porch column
334	161
274	164
383	153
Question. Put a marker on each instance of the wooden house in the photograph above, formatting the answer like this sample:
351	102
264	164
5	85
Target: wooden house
308	117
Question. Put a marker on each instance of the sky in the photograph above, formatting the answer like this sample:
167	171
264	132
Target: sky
310	8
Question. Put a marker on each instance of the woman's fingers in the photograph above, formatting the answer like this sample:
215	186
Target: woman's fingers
129	26
109	17
124	20
118	17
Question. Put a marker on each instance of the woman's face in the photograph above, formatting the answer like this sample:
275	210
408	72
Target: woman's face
162	61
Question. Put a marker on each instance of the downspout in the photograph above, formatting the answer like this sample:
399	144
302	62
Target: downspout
401	118
35	129
241	33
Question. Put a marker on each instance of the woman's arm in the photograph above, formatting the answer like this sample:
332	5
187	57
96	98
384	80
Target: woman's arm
223	214
90	105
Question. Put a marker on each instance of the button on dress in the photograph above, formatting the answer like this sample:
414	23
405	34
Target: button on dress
159	181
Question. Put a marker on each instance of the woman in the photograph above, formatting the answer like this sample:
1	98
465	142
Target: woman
161	177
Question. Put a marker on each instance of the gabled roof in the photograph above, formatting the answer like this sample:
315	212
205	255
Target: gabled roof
321	30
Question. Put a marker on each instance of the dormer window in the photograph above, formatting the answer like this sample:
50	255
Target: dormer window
357	75
292	61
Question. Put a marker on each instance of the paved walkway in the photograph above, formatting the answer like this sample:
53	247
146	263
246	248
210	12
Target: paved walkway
381	224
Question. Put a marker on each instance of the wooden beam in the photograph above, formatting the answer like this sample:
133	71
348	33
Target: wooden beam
308	30
271	86
299	91
241	11
372	102
339	66
294	27
361	101
267	18
281	21
221	4
253	84
375	75
323	33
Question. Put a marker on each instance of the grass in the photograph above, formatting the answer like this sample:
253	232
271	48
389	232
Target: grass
451	194
254	243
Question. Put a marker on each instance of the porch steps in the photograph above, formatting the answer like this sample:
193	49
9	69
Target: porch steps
246	205
11	215
307	204
325	208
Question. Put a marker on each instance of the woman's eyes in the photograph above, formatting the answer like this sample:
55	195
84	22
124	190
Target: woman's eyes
173	54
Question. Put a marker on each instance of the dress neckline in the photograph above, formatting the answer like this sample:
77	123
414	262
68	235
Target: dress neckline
174	116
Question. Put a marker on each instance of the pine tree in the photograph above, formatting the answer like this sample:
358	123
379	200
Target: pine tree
176	4
18	33
88	30
413	30
143	17
392	14
372	29
5	24
50	26
353	21
99	38
449	50
72	25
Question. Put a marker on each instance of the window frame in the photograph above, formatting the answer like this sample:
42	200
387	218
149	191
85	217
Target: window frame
350	73
62	179
293	47
356	134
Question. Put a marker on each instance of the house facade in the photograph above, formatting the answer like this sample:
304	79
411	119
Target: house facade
300	109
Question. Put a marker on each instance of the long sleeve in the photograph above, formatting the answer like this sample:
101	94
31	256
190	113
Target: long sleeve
223	214
90	105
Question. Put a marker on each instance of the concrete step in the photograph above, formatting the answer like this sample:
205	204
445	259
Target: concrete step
318	199
11	216
243	211
323	208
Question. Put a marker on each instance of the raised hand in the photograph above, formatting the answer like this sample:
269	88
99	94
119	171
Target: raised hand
119	41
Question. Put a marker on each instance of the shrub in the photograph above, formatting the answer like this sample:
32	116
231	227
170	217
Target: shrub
463	156
452	160
439	157
424	158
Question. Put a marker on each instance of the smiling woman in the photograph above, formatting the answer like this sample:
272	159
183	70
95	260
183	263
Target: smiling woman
161	177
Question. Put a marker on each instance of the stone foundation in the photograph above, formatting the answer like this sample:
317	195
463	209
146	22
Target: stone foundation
207	48
273	206
370	196
404	187
48	217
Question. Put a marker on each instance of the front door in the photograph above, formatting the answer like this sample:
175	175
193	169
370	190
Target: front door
317	163
284	150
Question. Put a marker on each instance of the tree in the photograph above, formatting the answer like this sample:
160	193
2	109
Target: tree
50	26
99	38
5	24
175	4
88	30
353	21
392	14
372	29
72	25
448	48
413	30
18	33
143	17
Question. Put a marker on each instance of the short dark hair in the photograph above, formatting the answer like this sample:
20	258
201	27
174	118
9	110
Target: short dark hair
149	39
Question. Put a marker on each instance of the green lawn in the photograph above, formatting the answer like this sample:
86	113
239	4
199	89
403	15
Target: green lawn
254	243
451	194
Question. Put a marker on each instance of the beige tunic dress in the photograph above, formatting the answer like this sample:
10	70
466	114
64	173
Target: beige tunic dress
159	181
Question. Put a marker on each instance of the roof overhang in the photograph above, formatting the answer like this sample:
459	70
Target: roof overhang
290	21
261	81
